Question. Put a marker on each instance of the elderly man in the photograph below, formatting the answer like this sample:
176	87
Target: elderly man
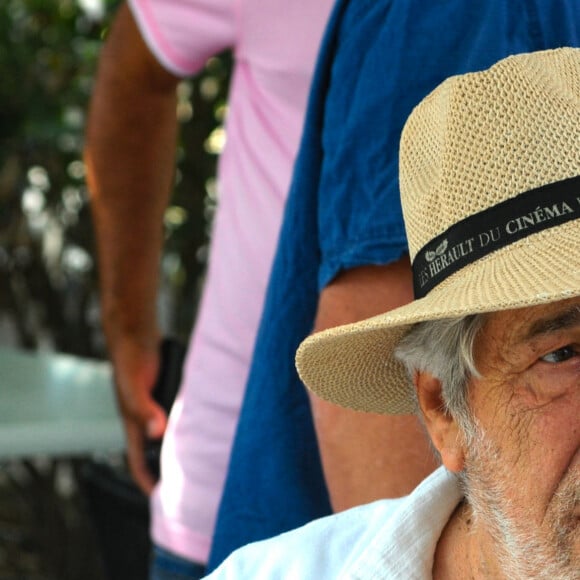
490	187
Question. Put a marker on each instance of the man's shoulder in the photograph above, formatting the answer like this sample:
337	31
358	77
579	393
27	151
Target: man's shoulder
321	548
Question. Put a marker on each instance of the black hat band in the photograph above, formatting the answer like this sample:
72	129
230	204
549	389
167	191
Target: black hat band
499	226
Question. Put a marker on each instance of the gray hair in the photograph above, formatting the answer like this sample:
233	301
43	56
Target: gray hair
444	349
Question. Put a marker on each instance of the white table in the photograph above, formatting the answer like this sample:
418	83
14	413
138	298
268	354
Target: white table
56	405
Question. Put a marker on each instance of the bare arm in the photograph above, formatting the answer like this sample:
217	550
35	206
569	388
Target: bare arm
366	456
130	150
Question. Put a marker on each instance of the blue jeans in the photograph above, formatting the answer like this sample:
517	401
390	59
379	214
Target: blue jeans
168	566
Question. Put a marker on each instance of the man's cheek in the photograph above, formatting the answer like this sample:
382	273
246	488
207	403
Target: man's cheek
552	449
513	431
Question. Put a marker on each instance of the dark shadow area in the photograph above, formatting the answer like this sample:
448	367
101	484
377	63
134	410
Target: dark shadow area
120	516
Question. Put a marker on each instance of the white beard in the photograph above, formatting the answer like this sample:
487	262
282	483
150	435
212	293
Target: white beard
523	549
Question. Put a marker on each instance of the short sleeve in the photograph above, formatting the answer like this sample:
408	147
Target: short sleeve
183	34
359	212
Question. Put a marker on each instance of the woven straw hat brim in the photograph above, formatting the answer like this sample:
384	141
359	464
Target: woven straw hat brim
353	365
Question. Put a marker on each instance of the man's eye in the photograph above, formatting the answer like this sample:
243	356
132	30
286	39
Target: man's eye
560	355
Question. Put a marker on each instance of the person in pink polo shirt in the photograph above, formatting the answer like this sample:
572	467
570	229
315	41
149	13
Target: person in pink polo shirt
130	157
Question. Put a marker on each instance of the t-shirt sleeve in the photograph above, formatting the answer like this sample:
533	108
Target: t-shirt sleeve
359	212
183	34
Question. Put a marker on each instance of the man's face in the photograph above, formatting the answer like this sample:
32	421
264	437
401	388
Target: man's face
523	473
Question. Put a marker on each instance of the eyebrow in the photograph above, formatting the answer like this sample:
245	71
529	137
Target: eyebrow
561	321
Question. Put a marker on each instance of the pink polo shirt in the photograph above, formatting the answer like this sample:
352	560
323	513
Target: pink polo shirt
275	43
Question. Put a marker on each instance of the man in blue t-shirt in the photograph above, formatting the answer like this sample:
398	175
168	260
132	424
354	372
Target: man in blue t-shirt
342	258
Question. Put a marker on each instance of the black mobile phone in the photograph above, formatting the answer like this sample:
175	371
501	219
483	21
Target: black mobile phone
172	355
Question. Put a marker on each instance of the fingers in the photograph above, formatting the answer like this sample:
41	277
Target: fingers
136	370
148	421
136	457
156	424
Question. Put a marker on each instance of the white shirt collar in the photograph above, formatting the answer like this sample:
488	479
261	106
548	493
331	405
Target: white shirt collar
404	548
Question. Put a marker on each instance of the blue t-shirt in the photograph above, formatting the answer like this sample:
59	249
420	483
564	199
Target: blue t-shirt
378	60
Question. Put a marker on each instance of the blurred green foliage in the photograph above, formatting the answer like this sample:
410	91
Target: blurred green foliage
48	280
48	289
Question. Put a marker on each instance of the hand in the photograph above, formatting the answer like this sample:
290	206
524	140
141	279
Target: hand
136	368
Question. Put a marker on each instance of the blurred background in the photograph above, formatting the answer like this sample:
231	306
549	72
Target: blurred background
48	280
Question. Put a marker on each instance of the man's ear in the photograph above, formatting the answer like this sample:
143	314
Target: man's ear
442	427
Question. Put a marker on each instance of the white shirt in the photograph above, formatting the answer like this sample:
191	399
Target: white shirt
388	539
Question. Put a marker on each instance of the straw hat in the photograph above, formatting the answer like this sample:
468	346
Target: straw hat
490	189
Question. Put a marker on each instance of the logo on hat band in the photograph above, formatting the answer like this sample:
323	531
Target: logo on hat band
499	226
